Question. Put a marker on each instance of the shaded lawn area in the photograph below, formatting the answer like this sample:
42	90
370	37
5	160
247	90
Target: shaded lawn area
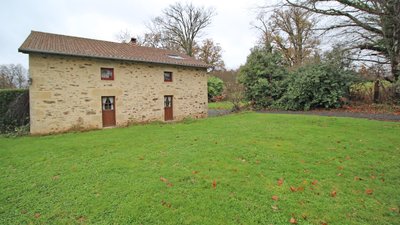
164	173
220	105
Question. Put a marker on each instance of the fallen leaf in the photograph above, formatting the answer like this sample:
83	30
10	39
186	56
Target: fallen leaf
163	179
81	219
214	184
275	198
369	191
280	181
170	184
333	194
324	223
293	189
315	182
293	221
394	209
195	172
340	168
357	178
300	188
37	215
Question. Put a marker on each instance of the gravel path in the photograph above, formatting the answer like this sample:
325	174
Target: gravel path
218	112
371	116
386	117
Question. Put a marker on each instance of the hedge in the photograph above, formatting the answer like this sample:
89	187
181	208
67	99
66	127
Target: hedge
14	109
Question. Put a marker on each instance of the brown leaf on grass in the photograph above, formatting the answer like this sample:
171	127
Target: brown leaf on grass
315	182
324	223
340	174
163	179
37	215
293	189
293	221
301	188
166	204
340	168
169	184
333	194
214	184
195	172
394	209
280	181
81	219
275	198
357	178
369	191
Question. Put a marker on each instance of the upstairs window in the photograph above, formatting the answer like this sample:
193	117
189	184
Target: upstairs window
107	73
167	76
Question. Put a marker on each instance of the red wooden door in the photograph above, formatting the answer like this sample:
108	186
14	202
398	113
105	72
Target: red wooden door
168	107
108	108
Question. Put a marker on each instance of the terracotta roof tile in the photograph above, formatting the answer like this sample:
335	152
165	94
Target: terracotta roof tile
40	42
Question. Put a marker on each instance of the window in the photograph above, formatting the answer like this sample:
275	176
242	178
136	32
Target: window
108	103
175	56
107	73
168	76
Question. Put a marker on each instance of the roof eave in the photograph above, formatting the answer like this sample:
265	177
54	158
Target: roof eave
27	51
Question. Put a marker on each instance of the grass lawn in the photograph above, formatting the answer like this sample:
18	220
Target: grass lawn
239	169
220	105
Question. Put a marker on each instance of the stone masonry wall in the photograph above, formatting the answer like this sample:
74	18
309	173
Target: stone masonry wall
65	93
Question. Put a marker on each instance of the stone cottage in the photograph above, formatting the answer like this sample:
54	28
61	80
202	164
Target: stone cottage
80	83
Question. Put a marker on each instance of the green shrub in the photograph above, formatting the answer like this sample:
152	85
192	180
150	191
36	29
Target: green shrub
14	110
262	77
215	87
320	85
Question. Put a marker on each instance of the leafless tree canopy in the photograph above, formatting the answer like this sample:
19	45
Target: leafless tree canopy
13	76
178	27
371	26
291	31
210	53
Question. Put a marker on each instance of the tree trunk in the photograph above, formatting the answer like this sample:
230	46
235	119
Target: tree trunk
395	69
376	91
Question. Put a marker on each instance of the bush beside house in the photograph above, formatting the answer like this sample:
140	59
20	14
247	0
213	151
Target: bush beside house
14	110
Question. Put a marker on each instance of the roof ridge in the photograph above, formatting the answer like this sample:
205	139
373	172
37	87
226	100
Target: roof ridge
112	42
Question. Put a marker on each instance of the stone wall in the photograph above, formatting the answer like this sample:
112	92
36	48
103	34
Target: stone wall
65	93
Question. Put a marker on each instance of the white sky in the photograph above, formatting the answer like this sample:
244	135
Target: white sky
104	19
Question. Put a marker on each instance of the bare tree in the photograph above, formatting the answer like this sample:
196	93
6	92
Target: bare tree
235	95
179	25
210	53
291	31
371	26
13	76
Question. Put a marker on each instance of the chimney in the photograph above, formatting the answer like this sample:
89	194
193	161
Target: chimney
133	41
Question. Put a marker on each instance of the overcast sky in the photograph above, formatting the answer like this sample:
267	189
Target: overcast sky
104	19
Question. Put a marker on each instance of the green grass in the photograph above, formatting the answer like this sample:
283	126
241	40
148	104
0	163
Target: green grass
112	176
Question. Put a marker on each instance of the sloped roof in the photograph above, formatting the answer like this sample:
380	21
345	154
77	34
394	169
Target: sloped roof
40	42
